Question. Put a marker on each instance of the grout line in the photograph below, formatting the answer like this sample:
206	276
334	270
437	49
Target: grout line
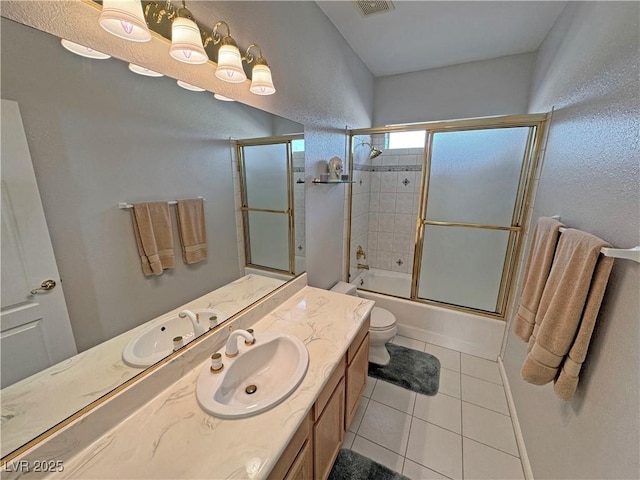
485	408
492	447
381	446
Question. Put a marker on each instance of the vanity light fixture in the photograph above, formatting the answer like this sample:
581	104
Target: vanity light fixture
82	50
261	81
217	96
143	71
186	40
124	19
229	58
188	86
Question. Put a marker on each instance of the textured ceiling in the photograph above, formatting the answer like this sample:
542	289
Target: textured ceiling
418	35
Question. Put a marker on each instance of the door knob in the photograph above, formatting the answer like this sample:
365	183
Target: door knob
44	287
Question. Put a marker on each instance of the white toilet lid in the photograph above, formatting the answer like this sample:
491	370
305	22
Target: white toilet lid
381	319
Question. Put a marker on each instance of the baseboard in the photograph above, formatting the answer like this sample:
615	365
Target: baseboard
526	466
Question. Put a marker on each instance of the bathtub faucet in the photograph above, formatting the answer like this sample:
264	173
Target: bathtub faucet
360	253
363	267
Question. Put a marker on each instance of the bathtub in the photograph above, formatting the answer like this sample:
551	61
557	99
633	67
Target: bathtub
465	332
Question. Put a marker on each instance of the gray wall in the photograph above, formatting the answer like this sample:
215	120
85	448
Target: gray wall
498	86
99	135
588	68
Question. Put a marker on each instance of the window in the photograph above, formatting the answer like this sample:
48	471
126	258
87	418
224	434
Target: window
413	139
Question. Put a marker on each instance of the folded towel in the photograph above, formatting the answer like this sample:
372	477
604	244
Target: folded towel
567	312
191	226
543	246
154	236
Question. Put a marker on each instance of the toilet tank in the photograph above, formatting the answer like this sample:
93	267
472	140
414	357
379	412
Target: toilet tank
345	288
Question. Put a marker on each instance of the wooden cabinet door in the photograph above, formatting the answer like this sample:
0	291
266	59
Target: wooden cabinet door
356	381
302	468
328	433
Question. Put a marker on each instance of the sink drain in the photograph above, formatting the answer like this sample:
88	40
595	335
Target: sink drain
251	389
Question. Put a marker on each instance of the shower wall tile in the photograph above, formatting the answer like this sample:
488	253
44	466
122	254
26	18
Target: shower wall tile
386	222
393	207
388	202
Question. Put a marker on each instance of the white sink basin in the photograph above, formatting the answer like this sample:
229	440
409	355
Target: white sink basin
275	365
155	342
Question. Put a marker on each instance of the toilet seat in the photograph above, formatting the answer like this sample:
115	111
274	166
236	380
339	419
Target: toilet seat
382	319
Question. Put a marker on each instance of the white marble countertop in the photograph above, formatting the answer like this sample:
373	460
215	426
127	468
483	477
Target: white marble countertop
172	437
37	403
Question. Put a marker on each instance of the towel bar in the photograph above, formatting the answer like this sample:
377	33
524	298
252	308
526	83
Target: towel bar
624	253
125	205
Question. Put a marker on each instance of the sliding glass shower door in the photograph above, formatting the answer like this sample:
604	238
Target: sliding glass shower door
439	209
267	205
470	215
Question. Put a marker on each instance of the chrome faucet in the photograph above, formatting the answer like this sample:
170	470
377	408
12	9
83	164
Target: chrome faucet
198	326
362	266
231	350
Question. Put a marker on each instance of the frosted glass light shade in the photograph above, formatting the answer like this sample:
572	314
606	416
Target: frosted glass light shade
230	65
124	19
83	51
186	42
188	86
143	71
261	81
217	96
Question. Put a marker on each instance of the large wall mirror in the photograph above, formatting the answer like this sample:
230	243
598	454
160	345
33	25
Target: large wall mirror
80	136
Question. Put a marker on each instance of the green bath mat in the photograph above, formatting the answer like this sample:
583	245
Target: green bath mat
350	465
410	369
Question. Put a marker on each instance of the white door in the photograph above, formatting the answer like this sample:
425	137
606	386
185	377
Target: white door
35	331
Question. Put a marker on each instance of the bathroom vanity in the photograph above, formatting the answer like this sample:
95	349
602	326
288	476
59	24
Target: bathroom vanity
171	436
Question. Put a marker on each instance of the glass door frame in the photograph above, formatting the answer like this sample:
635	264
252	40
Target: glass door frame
245	209
531	160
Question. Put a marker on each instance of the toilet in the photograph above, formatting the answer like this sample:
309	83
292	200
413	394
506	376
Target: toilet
383	326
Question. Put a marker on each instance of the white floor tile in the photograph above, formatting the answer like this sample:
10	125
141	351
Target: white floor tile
394	396
378	454
435	448
449	359
442	410
488	427
449	382
481	368
415	471
357	418
371	382
349	437
386	426
484	394
408	342
486	463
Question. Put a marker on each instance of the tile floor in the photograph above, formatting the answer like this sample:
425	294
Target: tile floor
463	432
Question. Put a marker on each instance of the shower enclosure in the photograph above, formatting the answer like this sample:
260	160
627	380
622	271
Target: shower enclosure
271	203
439	213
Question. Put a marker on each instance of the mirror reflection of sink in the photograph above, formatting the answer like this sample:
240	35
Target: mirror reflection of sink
155	342
261	377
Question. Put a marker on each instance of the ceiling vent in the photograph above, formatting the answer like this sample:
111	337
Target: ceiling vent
367	8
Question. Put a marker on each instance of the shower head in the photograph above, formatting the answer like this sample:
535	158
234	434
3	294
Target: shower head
374	151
